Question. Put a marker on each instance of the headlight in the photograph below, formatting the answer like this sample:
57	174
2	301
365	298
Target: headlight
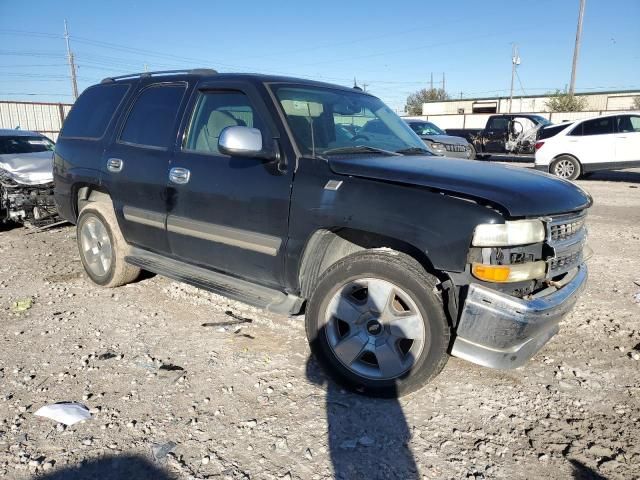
437	146
518	232
509	273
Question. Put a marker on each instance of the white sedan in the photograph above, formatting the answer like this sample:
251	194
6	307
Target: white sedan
608	142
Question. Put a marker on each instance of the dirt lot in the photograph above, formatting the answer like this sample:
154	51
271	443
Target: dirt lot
233	387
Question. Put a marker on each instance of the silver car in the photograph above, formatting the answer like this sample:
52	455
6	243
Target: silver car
26	178
441	143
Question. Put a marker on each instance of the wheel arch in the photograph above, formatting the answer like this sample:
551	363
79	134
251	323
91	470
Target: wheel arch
327	246
83	193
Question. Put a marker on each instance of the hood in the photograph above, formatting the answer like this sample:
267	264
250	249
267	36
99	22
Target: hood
28	168
448	139
520	191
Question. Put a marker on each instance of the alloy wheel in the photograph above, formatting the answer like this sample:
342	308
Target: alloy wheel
374	328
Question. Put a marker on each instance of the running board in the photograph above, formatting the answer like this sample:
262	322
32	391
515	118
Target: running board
234	288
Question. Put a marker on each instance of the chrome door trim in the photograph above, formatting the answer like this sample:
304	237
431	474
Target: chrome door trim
144	217
245	239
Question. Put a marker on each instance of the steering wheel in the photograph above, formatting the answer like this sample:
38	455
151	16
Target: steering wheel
358	137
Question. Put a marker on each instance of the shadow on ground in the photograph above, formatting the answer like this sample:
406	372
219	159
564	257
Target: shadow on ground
582	472
122	467
368	437
631	176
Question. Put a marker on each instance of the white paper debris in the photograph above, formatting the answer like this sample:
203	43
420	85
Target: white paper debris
65	412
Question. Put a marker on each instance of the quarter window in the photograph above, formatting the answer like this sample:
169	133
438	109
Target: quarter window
152	119
92	112
214	112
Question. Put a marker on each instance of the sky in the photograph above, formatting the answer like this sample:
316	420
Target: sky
391	46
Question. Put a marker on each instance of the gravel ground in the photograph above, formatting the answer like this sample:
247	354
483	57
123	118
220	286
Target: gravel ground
185	384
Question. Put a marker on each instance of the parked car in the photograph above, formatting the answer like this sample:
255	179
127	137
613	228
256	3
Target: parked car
238	184
439	142
505	134
26	178
608	142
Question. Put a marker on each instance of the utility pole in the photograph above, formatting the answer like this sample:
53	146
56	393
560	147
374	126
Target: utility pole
431	80
443	89
72	66
576	50
515	61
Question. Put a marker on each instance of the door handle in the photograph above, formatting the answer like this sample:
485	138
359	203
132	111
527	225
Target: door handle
115	165
179	175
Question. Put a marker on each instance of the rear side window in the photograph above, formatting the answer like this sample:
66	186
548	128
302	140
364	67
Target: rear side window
152	118
92	112
597	126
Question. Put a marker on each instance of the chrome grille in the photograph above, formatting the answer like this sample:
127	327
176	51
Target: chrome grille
566	234
565	262
566	230
455	148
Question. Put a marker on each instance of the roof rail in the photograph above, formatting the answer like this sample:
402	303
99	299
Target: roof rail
192	71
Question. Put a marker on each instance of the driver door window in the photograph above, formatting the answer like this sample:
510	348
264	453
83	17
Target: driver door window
214	112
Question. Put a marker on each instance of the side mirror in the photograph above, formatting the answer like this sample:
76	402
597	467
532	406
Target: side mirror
242	141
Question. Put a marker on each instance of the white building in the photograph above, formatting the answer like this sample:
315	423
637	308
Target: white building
596	102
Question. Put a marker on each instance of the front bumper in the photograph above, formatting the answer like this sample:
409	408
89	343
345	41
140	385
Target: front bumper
542	168
500	331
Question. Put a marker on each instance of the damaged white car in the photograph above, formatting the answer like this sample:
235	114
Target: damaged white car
26	178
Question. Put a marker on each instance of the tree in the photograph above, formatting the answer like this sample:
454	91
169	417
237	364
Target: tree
636	103
415	100
565	102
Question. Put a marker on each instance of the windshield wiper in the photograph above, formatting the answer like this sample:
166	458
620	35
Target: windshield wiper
414	150
359	149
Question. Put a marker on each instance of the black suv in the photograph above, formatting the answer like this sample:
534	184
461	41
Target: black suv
252	187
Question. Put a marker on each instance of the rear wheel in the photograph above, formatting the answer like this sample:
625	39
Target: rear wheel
566	167
377	325
102	247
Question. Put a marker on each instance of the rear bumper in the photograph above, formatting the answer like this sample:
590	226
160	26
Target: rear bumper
500	331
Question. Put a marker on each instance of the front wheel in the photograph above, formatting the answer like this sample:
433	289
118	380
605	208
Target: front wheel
376	323
566	167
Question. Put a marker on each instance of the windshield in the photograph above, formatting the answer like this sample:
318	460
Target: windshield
426	128
333	121
24	144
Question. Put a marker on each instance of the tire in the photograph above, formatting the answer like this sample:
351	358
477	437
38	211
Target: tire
102	247
394	352
474	154
566	167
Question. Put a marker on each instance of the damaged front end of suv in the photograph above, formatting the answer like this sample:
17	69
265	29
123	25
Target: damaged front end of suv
26	179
